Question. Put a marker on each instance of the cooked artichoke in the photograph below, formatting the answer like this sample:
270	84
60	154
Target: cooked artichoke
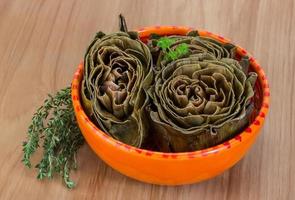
117	72
202	99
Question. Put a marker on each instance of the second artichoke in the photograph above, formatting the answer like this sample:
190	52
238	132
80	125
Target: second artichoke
202	98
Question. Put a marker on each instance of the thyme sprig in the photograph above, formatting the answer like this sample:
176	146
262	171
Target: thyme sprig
60	135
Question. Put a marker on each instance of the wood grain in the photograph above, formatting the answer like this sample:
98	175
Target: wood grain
41	43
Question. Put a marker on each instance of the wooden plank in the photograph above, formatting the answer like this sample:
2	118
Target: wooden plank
42	42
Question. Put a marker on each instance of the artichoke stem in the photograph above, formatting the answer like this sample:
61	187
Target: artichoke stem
122	24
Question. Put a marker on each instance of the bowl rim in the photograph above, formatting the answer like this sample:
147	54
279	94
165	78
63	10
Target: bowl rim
249	132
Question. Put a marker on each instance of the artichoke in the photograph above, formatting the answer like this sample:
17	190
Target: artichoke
201	99
196	44
117	72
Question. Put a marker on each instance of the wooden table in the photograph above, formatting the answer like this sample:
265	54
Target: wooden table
42	41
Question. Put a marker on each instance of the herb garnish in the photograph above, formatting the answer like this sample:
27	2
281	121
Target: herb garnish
60	135
172	54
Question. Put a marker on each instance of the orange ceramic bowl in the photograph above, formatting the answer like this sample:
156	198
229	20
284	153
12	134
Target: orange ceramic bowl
173	168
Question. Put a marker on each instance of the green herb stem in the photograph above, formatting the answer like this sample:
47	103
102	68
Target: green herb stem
54	124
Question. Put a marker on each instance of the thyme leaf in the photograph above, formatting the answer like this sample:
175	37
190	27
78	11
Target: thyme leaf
54	124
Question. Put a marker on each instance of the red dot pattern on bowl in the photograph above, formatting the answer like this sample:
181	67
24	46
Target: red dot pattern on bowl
184	155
